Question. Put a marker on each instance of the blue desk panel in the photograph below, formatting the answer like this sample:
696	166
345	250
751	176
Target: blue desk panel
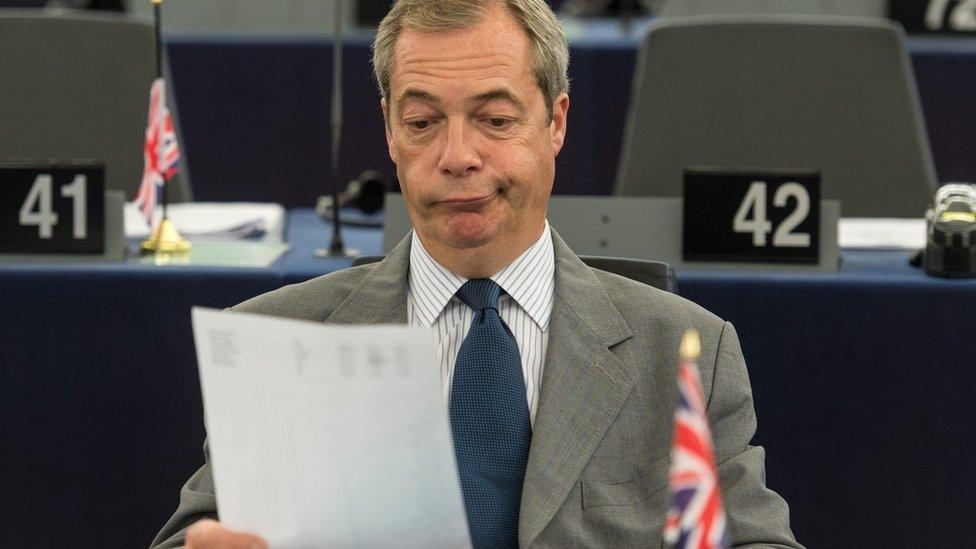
863	384
254	111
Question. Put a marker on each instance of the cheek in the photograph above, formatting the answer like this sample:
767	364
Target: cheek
532	173
414	157
411	168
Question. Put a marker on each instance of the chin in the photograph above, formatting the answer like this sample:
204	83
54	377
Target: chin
464	241
466	233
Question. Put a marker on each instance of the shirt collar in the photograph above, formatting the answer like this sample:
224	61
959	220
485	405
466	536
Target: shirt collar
528	280
431	285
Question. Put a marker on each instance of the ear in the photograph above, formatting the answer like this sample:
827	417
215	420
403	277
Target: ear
560	110
389	134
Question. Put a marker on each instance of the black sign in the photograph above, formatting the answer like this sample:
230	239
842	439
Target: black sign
935	16
758	216
52	208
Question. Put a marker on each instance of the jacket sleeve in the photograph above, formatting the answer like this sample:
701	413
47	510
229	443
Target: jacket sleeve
757	516
197	501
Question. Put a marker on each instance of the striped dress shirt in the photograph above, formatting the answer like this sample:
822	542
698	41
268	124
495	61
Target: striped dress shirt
525	306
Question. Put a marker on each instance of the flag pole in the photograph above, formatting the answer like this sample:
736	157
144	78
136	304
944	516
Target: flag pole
157	40
158	47
164	238
336	247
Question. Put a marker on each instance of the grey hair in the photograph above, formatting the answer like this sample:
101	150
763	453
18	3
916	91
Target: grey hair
547	43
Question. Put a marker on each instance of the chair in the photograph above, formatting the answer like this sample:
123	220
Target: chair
835	94
868	8
653	273
76	86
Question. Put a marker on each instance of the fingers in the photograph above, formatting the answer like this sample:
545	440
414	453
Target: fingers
209	534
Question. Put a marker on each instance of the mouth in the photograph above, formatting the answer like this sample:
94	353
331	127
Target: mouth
470	201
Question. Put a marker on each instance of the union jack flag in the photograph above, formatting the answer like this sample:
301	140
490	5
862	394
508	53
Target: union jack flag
161	153
696	518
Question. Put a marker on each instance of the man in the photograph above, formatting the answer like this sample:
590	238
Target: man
474	98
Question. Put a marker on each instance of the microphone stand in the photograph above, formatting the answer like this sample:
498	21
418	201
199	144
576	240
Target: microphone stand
336	247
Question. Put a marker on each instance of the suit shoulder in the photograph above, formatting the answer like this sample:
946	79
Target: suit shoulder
313	299
637	301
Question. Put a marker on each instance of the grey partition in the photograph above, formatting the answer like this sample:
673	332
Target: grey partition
76	86
835	94
277	17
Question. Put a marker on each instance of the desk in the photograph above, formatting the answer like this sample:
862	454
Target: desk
862	380
255	121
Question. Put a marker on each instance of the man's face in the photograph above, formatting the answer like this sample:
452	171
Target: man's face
467	128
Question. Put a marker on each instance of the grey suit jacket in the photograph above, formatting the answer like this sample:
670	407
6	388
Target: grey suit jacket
598	467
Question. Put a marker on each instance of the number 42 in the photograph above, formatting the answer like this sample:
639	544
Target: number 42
37	210
760	226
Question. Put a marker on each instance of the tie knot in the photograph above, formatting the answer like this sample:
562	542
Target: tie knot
480	294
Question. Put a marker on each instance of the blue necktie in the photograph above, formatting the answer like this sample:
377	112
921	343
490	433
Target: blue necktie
490	420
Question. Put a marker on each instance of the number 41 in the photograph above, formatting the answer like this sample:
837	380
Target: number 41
36	209
759	226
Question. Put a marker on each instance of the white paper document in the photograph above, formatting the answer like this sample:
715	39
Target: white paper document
328	436
881	233
215	221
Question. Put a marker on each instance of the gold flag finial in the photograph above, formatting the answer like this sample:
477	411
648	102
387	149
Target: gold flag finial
165	239
690	345
158	2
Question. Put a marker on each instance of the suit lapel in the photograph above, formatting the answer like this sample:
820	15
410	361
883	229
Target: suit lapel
381	297
583	387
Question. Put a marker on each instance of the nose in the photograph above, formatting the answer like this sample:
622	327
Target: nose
460	155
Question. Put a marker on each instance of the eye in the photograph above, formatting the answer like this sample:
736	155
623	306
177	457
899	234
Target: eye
418	124
498	122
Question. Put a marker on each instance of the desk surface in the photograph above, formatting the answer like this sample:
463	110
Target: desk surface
862	382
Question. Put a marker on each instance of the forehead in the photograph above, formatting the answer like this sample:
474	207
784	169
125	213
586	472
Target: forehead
491	53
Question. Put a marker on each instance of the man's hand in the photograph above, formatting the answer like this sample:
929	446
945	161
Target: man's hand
209	533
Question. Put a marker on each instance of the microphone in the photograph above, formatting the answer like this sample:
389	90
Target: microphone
367	193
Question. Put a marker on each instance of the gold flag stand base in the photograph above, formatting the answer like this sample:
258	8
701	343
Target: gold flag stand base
165	239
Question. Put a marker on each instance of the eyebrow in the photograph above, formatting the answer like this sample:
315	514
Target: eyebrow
411	94
499	94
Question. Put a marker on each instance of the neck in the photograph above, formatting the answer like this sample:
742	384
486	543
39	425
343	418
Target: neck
481	261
